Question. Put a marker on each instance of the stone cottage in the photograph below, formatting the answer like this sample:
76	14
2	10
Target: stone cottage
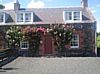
81	18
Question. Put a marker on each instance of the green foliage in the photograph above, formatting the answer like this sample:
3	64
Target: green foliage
98	33
14	36
34	38
62	36
98	41
1	6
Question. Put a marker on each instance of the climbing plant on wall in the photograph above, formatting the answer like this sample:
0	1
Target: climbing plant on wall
62	36
14	36
32	35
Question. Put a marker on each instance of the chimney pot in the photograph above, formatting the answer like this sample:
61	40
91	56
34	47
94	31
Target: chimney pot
84	3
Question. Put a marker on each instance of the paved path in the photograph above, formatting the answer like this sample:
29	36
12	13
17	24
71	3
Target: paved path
23	65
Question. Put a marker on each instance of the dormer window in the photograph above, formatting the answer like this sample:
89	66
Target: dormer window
2	17
20	17
27	17
72	16
68	15
76	15
24	17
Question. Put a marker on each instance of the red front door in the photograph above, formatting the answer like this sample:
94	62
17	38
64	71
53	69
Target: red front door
48	45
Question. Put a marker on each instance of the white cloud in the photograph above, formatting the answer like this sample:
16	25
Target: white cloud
31	4
9	5
35	4
93	10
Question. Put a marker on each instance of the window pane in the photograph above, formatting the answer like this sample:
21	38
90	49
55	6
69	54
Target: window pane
20	17
27	17
75	41
68	15
24	44
76	15
1	17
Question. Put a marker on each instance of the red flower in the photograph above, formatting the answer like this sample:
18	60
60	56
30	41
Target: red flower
40	29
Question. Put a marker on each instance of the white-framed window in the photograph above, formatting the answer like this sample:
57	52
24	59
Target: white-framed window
68	16
2	17
75	41
77	15
27	17
24	17
72	16
20	17
24	45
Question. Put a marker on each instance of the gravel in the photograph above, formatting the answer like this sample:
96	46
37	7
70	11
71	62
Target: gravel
43	65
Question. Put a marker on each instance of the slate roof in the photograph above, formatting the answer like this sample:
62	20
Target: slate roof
51	15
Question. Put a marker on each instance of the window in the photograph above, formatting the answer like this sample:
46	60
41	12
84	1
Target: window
27	17
75	41
24	17
68	15
72	16
20	17
1	17
76	15
24	44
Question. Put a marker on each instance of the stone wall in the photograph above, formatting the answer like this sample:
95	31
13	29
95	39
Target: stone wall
85	31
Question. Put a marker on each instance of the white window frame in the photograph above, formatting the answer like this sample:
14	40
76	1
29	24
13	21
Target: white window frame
20	17
22	42
78	16
24	18
29	18
75	41
68	15
3	22
72	20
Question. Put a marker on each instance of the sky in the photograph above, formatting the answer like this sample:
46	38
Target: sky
94	5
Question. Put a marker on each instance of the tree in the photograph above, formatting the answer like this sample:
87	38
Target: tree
98	41
98	34
1	6
62	36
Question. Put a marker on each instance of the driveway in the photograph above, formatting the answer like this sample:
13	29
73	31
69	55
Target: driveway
72	65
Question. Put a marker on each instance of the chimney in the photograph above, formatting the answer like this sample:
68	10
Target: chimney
84	3
16	5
